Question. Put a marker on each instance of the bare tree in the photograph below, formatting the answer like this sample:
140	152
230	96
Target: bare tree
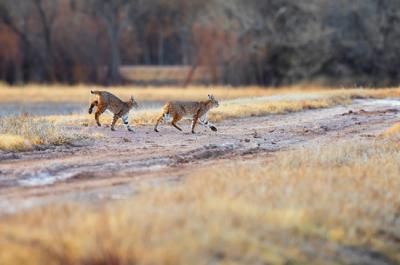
114	14
47	12
15	15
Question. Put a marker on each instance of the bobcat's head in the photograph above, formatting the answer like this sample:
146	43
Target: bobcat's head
133	103
214	102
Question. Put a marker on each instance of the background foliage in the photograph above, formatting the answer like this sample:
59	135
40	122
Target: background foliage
265	42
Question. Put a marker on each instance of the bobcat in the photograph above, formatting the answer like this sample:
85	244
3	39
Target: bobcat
197	110
119	108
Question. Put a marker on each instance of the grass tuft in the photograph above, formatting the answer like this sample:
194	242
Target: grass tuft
393	131
9	142
22	133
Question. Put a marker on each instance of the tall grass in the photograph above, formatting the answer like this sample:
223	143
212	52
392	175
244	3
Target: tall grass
336	204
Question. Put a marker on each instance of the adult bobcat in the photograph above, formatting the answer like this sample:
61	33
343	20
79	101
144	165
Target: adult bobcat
196	109
119	108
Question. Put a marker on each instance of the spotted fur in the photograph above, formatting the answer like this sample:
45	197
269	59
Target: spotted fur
107	101
197	110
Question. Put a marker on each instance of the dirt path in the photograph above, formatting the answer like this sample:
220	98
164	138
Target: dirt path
111	168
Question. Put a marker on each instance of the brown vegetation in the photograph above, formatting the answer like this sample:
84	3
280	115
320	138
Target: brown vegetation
23	133
237	42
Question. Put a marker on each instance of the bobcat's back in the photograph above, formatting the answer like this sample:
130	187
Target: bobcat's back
113	103
183	108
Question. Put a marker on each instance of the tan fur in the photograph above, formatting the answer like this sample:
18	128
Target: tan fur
119	108
178	109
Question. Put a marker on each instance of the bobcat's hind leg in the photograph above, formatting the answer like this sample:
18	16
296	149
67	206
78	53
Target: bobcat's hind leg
94	103
159	119
175	120
99	111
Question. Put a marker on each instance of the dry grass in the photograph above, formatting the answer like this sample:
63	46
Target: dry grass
337	204
257	107
393	131
23	133
10	142
80	93
163	74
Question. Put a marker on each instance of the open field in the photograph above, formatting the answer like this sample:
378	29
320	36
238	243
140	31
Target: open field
336	204
81	94
293	178
68	105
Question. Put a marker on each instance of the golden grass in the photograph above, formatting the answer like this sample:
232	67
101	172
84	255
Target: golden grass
10	142
81	94
310	206
162	74
393	131
240	109
26	133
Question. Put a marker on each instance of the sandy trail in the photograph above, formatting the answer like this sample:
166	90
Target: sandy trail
114	167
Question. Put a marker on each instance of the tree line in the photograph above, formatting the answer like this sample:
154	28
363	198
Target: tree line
264	42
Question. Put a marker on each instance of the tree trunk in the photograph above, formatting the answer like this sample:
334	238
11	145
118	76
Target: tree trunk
26	63
190	75
161	48
46	27
115	59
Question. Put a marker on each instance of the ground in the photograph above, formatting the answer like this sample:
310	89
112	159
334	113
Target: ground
111	166
293	178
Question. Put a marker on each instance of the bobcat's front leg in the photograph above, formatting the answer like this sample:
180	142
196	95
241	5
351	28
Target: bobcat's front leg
205	122
194	121
125	119
114	121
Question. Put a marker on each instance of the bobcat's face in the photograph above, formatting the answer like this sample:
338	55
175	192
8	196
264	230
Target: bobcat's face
134	104
214	102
